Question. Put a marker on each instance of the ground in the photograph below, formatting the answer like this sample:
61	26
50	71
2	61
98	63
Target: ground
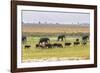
79	51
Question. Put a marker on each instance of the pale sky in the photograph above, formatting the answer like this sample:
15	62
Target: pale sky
55	17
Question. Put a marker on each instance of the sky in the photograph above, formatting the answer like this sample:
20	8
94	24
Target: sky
54	17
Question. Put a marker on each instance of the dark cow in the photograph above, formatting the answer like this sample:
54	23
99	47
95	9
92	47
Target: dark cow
68	44
24	38
76	43
58	45
27	46
55	45
84	43
61	37
37	45
44	40
49	45
77	40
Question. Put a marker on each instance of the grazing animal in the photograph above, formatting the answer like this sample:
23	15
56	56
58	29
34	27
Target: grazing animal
76	43
49	45
58	45
85	38
84	43
77	40
27	46
24	38
61	37
55	45
37	45
44	40
68	44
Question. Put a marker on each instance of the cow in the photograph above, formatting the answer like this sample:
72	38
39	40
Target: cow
37	45
60	45
76	43
84	43
27	46
60	37
49	45
77	40
68	44
57	45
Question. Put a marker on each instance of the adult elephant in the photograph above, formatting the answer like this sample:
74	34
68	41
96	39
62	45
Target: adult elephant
61	37
85	38
24	38
44	40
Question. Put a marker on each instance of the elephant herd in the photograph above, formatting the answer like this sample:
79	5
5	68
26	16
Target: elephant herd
45	42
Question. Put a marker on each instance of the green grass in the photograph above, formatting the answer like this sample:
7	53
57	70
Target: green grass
37	53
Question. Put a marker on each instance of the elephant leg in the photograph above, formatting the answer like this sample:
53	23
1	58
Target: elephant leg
61	39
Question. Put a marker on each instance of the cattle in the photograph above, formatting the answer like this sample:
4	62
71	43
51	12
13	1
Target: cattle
37	45
76	43
49	45
27	46
77	40
57	45
61	37
68	44
60	45
84	43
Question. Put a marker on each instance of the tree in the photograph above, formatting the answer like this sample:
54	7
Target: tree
39	22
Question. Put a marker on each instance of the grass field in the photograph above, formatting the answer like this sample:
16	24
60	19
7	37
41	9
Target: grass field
35	31
79	51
